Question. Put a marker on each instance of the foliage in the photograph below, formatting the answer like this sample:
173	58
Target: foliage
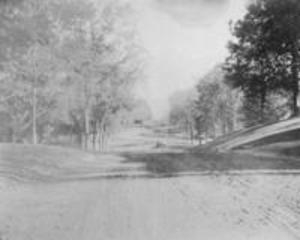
265	53
208	111
182	111
274	110
68	67
216	105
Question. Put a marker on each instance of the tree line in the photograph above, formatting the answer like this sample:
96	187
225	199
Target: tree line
259	81
67	70
208	110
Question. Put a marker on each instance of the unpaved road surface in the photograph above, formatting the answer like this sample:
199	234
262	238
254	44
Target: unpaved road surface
204	207
135	205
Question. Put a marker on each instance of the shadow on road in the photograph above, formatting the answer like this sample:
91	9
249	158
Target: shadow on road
170	164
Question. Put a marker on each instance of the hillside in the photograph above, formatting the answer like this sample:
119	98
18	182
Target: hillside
51	163
282	138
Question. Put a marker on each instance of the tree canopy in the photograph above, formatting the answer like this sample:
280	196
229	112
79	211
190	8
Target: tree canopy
67	67
265	52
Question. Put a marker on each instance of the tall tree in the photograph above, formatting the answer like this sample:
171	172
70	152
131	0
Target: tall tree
265	53
101	59
182	104
86	50
215	106
28	60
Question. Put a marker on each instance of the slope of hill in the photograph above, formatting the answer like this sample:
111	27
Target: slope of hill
52	163
281	138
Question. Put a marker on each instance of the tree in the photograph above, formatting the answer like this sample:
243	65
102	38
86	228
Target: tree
283	38
29	64
216	105
67	67
265	53
182	111
101	58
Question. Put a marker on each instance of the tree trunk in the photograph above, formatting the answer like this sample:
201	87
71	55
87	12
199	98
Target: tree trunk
262	105
295	110
97	137
101	139
94	137
34	97
191	133
34	116
295	79
82	140
86	128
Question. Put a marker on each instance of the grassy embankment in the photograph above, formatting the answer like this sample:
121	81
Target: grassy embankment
270	147
46	163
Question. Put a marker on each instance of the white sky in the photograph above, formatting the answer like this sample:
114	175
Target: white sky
184	40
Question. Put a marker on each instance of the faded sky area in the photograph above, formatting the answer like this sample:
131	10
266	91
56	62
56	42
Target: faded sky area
184	39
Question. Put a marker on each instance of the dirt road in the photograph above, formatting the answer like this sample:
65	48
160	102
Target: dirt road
135	205
205	207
